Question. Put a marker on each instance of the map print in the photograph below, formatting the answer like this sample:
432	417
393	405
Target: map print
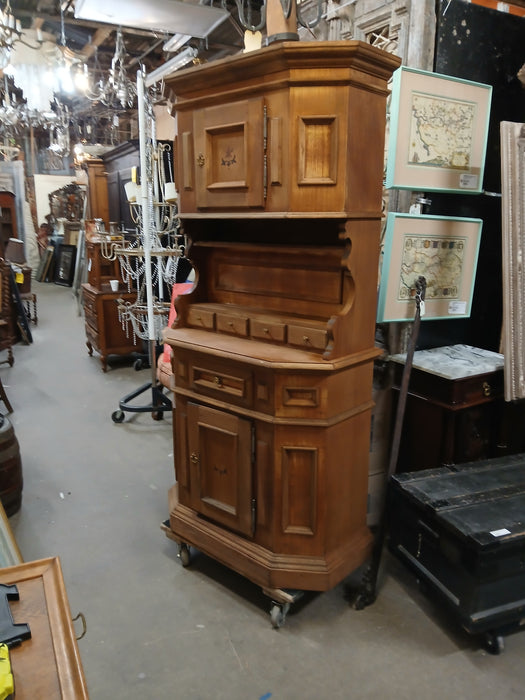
441	132
439	259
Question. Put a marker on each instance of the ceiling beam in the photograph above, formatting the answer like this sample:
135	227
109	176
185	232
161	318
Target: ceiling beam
99	38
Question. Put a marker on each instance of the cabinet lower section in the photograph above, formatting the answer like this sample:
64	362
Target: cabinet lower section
260	565
272	479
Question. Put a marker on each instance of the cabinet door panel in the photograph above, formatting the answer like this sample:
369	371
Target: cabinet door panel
219	457
229	155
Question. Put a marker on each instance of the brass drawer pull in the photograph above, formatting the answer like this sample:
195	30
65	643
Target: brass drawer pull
487	390
217	381
306	339
194	457
201	160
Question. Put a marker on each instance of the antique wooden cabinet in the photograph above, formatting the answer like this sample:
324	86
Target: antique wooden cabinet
98	190
104	331
8	227
279	171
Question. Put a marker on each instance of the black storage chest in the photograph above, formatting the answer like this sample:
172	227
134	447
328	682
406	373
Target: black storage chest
461	530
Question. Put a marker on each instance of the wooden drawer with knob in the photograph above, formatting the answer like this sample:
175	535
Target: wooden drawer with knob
201	317
268	329
307	336
209	376
236	324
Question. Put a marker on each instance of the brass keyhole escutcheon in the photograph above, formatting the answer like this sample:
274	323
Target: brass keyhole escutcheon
194	457
486	389
201	160
217	381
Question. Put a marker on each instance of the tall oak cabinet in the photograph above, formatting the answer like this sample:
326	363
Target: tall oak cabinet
279	162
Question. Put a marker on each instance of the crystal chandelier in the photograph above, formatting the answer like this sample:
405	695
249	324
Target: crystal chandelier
118	90
11	32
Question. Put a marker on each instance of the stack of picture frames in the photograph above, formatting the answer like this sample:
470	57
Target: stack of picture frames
438	139
512	136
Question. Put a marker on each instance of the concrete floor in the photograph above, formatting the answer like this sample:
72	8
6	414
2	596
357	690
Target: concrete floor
95	494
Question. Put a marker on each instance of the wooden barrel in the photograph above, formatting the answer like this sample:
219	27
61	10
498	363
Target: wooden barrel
10	468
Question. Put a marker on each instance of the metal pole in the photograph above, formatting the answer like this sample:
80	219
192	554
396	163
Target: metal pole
145	202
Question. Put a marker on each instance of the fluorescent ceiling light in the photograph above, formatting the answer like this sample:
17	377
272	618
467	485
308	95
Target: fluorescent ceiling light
167	16
176	41
178	61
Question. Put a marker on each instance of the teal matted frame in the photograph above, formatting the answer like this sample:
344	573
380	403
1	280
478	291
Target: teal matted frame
438	132
442	249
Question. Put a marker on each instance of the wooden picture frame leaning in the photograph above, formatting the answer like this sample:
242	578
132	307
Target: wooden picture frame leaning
438	132
444	250
512	138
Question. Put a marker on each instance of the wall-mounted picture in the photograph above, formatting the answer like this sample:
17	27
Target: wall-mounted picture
65	265
444	250
438	132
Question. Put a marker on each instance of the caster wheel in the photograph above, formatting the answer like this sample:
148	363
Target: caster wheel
117	416
184	554
138	365
278	614
494	643
157	415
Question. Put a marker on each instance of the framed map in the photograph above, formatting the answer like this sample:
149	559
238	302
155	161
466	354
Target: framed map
438	132
444	250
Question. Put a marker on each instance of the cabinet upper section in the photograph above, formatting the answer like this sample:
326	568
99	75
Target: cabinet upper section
294	129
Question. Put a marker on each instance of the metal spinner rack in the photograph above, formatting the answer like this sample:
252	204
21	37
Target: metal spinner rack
149	263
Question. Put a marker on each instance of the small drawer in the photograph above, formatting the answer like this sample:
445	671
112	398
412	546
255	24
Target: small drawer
232	323
224	382
201	318
92	336
91	316
89	304
272	331
307	337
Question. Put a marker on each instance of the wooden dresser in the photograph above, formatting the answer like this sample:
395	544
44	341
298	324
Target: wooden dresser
279	172
104	331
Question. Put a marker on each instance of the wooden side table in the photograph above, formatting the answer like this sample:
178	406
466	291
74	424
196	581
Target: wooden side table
454	400
48	665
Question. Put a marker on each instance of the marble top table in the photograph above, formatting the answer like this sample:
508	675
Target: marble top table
454	361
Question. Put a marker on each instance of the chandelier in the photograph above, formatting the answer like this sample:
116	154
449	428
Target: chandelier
11	32
118	89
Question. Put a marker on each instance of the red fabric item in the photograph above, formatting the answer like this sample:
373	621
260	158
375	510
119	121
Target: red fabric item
178	288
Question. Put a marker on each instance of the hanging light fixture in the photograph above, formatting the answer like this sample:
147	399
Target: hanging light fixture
11	32
118	89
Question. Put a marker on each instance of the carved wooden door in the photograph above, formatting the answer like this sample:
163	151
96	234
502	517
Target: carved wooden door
220	460
229	155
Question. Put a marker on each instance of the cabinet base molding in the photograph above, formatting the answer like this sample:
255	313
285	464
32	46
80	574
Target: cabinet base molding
261	566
